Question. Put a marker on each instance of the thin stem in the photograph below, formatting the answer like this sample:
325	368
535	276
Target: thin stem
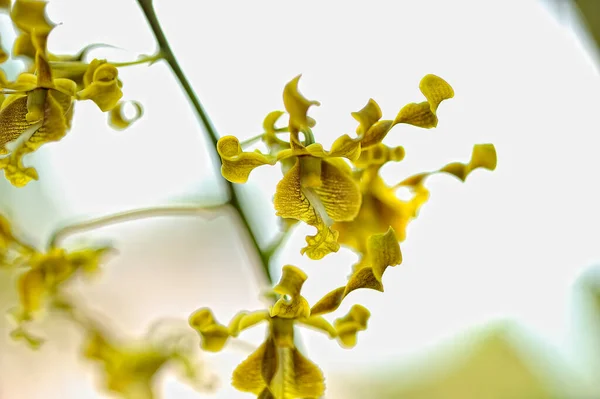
168	55
258	137
143	60
103	221
83	66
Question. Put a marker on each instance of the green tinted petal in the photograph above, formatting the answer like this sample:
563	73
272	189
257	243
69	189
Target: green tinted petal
214	335
320	324
14	170
245	320
435	90
237	164
101	85
376	133
383	251
301	377
23	46
483	156
344	146
329	303
296	306
32	288
117	118
367	117
378	155
348	326
256	372
30	15
297	105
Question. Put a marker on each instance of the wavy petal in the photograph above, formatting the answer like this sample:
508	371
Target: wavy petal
348	326
383	251
256	372
376	133
23	46
483	156
320	324
30	15
245	320
270	138
15	172
237	164
101	85
214	335
435	90
344	146
297	105
378	155
295	306
301	378
367	117
117	118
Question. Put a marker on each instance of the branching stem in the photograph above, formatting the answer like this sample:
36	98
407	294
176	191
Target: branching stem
167	54
59	235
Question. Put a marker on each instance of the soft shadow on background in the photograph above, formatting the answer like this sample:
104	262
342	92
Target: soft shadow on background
499	293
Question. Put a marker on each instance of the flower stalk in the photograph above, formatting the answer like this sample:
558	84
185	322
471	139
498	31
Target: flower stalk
165	50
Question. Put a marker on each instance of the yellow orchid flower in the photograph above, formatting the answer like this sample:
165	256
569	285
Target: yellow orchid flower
318	186
277	369
38	111
130	369
41	283
47	272
42	275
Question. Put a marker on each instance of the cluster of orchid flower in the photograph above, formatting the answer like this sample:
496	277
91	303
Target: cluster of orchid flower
338	191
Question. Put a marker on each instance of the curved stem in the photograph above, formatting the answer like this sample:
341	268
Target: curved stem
62	233
143	60
168	55
83	66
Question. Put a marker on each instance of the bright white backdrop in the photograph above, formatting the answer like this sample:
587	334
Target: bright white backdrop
507	244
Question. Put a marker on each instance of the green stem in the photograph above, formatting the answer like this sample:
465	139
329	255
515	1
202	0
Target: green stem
258	137
59	235
81	67
143	60
168	55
